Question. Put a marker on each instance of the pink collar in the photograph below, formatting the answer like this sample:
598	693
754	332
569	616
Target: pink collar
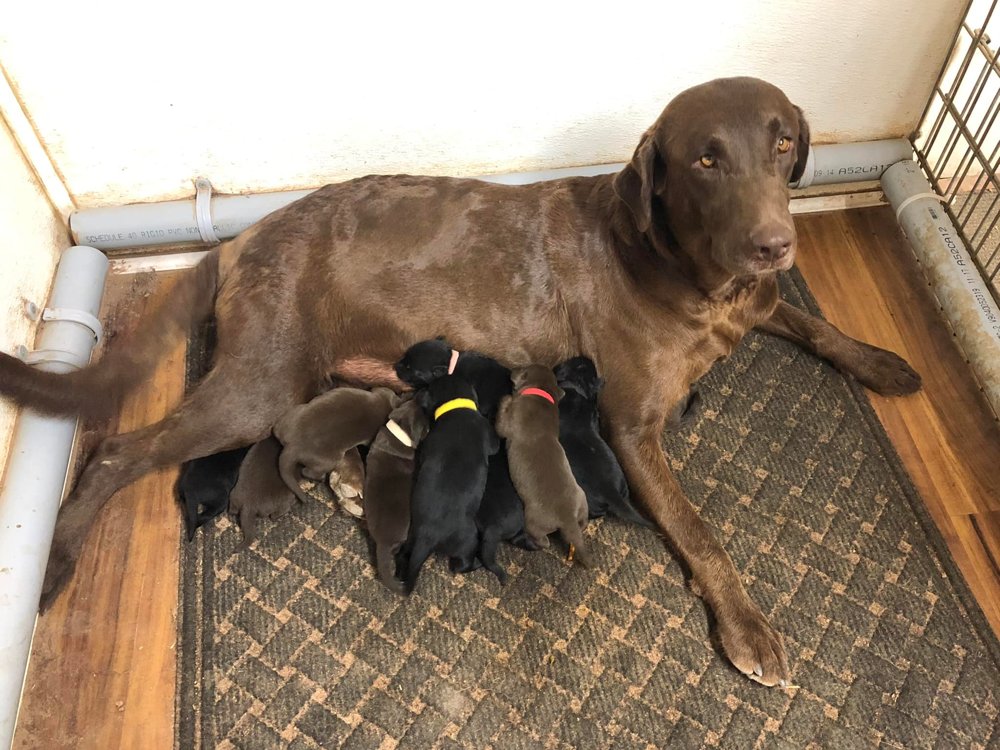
538	392
454	361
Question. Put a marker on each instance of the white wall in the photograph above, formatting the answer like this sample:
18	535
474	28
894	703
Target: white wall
135	100
31	241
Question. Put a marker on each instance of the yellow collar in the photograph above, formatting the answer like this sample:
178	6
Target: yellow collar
399	433
455	403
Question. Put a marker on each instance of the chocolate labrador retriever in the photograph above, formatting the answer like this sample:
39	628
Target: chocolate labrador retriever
654	273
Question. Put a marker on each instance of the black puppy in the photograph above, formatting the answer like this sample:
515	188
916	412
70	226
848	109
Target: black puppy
204	486
450	479
594	465
429	360
501	515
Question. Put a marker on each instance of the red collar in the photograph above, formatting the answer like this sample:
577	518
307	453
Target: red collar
538	392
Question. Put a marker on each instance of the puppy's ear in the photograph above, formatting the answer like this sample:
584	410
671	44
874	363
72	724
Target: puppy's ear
424	399
517	377
802	148
558	394
641	179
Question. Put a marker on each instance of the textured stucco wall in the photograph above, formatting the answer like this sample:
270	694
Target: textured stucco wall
133	107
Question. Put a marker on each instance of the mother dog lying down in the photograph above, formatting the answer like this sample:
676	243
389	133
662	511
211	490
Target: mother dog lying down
654	273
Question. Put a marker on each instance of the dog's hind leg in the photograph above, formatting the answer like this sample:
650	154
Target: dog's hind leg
217	416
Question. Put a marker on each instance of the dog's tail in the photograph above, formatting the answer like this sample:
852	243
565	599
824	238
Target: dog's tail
288	467
572	534
411	560
248	525
385	555
95	390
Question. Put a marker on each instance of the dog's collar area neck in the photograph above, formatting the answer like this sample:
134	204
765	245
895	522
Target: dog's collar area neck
455	403
399	433
538	392
455	354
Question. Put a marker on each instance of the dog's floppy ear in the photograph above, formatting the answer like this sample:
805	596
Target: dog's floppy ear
641	179
558	394
424	399
802	148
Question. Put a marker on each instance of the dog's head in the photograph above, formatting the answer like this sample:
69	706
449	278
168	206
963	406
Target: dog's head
537	376
579	374
714	169
424	362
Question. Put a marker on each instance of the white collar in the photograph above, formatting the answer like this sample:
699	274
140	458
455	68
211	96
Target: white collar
399	433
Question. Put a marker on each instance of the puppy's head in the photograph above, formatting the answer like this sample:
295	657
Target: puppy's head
580	375
537	376
410	415
424	362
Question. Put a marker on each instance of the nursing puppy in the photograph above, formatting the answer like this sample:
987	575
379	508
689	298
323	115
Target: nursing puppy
204	485
429	360
451	477
501	515
316	436
389	483
260	492
553	501
592	461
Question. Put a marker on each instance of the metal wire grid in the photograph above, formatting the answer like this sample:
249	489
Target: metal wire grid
957	145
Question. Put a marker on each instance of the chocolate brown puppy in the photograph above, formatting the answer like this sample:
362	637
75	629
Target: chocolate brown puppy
260	492
317	436
388	484
553	501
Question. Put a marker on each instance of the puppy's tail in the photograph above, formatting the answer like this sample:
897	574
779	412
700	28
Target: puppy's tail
412	561
623	508
288	466
96	390
248	525
573	535
385	560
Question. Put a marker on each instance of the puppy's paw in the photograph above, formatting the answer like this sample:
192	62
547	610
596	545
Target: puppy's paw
754	647
350	506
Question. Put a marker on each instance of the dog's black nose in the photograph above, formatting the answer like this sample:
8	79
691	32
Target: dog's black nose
773	241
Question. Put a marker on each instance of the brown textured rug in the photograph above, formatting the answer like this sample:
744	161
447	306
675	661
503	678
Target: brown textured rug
295	644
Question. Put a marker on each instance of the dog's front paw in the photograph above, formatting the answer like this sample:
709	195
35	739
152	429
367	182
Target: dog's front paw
885	372
754	647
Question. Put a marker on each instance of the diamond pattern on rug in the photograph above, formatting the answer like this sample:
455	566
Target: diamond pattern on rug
294	644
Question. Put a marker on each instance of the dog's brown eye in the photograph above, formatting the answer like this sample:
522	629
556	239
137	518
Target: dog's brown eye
784	144
708	161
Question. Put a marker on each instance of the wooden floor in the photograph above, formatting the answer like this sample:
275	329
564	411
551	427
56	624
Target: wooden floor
102	669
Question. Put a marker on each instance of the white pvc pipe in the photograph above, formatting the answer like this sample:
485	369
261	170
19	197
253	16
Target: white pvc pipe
962	292
852	162
173	222
33	484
